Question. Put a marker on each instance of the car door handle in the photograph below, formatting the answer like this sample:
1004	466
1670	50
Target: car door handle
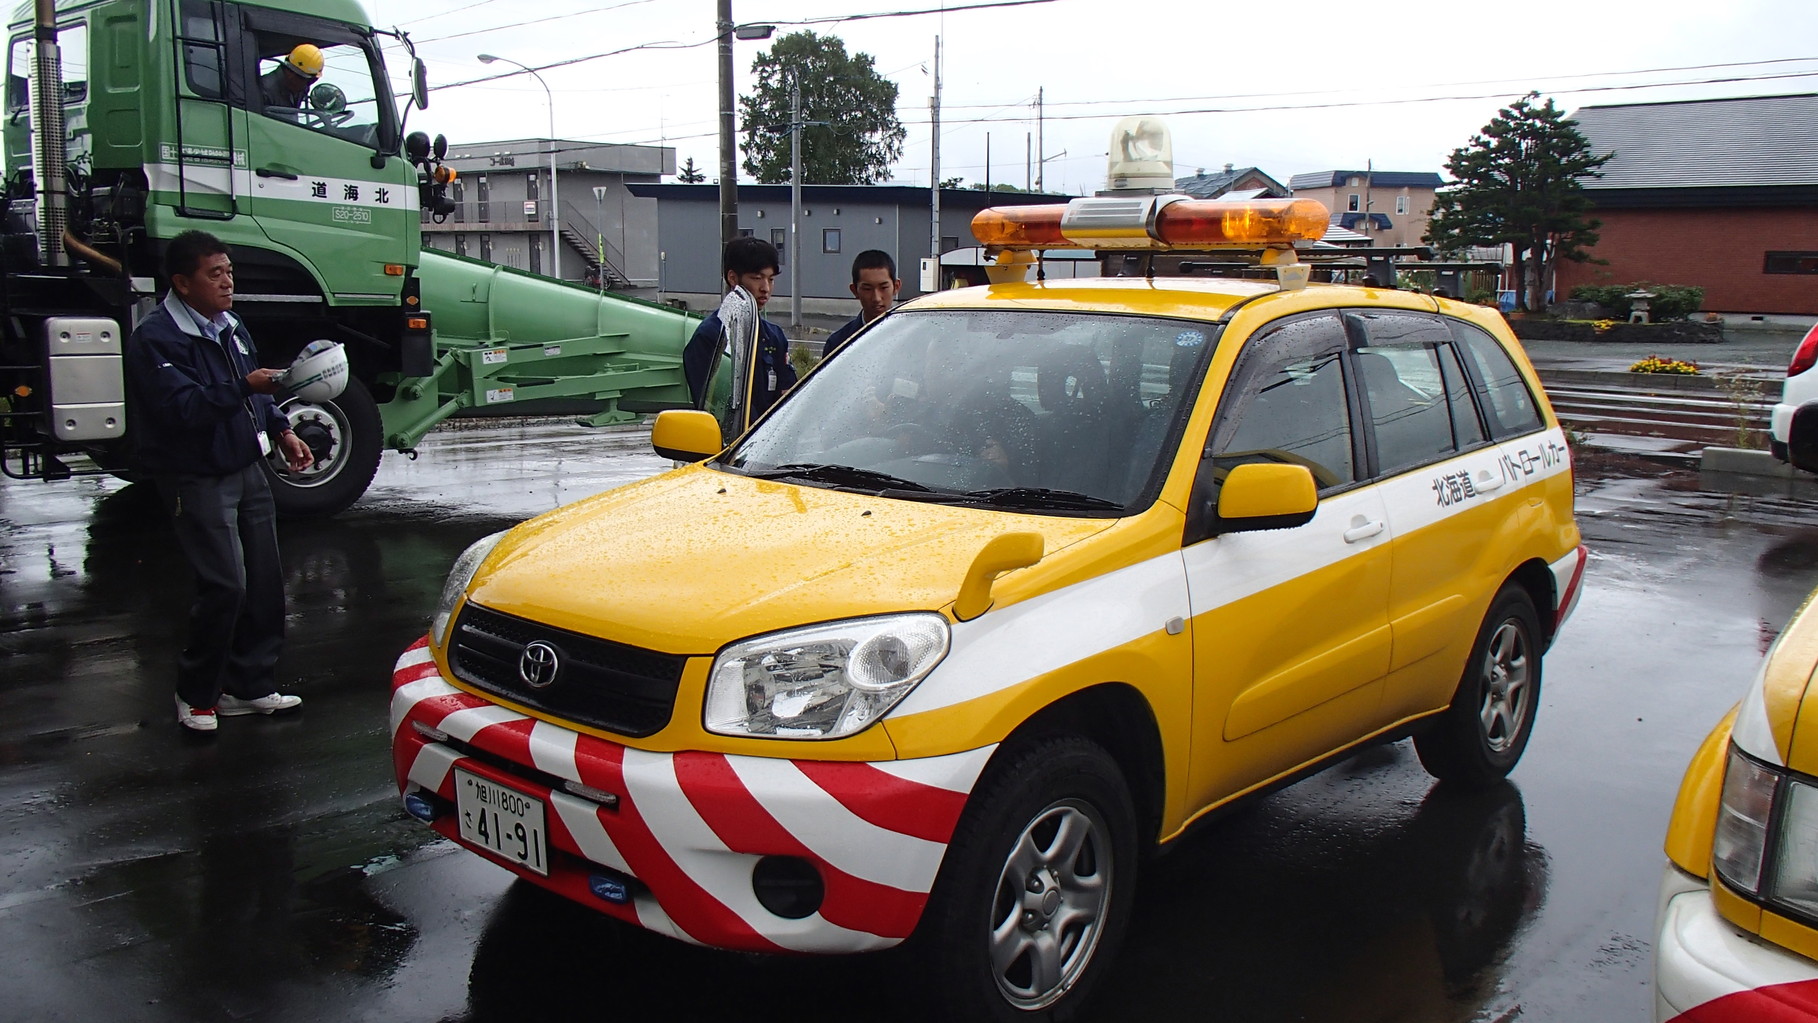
273	172
1488	481
1363	529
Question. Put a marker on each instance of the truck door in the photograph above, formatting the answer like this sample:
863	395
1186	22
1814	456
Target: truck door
326	186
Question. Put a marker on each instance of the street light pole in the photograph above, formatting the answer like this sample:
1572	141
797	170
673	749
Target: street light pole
555	203
729	184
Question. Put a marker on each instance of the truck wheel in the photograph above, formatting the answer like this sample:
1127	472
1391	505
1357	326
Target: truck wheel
1481	735
344	437
1036	888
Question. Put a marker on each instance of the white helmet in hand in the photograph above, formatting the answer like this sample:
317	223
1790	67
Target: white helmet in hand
319	372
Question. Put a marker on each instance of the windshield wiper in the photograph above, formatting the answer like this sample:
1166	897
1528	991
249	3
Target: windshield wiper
840	476
1038	497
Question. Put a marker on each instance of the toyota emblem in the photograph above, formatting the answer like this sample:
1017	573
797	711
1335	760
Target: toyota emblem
538	664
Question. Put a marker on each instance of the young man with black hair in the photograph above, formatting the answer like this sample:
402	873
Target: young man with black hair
750	263
204	420
875	285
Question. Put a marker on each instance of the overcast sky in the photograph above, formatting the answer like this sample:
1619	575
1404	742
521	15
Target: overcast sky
1399	85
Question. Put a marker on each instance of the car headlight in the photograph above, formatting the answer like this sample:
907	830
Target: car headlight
458	578
1766	843
822	681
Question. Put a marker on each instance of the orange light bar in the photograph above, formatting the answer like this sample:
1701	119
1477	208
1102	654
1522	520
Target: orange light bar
1020	227
1193	222
1162	222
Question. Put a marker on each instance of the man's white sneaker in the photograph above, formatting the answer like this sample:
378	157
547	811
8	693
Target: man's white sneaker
196	719
233	706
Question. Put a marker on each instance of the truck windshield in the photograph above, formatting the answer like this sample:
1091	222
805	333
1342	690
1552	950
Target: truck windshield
1057	413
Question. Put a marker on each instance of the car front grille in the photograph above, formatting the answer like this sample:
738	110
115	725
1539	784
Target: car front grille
596	682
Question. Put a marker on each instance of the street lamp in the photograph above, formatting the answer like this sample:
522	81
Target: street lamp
726	32
555	238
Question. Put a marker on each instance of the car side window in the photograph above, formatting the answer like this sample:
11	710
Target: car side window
1286	403
1404	390
1507	402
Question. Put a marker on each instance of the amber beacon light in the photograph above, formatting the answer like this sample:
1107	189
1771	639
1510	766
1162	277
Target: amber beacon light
1152	222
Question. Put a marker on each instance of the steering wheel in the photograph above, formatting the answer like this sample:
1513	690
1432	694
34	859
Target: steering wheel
319	119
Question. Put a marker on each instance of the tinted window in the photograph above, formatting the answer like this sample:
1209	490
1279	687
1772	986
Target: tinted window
1507	402
203	48
1286	403
1405	391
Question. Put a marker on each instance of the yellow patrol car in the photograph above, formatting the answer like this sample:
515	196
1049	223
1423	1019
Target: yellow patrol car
1738	923
1027	581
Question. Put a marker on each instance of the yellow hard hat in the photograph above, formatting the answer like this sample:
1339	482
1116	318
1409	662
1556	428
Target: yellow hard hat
305	60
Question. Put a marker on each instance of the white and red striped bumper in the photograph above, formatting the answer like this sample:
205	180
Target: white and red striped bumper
689	827
1708	971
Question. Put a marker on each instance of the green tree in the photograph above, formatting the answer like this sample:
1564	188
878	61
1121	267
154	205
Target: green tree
1519	181
856	136
690	174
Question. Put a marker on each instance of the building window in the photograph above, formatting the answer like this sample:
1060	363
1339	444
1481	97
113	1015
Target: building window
536	253
779	237
1401	204
1351	202
1791	263
949	242
486	246
458	193
744	232
530	196
483	214
830	239
460	245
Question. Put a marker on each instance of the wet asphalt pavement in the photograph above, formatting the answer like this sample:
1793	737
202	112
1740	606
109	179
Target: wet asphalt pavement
269	875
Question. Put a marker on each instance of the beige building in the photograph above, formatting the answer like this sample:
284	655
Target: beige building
1389	207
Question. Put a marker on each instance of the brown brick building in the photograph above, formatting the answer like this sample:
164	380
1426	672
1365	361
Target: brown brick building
1722	194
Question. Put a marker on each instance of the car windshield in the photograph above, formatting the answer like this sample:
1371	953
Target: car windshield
1058	413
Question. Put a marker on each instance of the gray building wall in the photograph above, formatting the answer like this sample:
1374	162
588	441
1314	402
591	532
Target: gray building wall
503	206
838	222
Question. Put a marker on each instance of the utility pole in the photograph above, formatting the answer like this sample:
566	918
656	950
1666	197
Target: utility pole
1028	182
729	195
987	163
1038	138
934	105
795	205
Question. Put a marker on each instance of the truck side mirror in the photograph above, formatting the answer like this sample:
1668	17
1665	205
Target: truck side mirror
416	146
441	146
419	84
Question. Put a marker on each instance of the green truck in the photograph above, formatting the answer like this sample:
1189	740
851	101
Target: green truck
131	121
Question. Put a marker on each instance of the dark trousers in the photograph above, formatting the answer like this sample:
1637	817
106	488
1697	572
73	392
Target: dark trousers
227	526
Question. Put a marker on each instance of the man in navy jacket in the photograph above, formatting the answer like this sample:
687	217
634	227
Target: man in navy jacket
204	420
751	262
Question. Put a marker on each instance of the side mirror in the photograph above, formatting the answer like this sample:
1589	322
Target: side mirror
419	84
686	435
416	146
441	146
1266	496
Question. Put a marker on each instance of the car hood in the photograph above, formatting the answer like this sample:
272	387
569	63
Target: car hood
1776	722
694	559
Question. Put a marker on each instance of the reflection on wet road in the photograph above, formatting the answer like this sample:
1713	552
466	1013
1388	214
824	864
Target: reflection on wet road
269	875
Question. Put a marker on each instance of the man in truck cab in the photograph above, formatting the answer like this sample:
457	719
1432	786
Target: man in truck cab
287	85
205	421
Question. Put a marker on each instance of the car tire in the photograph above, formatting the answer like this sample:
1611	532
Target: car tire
1035	891
344	435
1478	739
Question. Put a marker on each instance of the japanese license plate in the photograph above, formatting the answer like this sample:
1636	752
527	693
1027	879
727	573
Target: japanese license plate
503	821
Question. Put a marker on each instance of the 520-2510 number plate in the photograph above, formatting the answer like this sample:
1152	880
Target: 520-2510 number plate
503	821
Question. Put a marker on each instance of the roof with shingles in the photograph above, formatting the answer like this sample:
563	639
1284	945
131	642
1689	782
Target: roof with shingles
1377	179
1749	141
1217	183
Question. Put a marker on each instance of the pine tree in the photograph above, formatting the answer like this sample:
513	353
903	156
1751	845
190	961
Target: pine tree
690	174
1520	182
857	136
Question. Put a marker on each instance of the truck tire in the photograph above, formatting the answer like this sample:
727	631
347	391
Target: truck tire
343	434
1478	739
1036	890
